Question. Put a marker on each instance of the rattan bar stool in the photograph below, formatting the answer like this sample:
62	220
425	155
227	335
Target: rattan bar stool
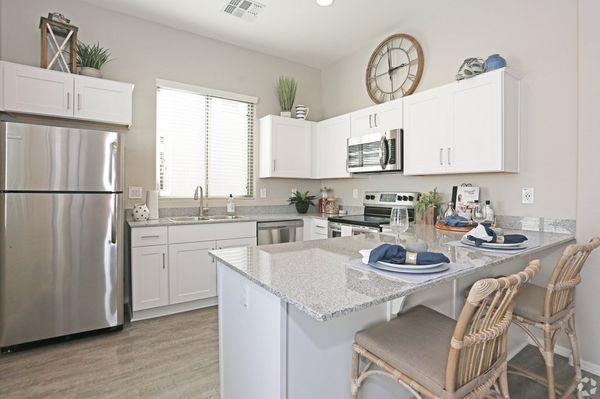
434	356
552	309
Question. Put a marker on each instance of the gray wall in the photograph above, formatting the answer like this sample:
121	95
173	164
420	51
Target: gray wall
539	40
144	51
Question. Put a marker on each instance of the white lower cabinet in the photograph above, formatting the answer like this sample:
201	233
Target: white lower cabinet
149	277
192	272
181	275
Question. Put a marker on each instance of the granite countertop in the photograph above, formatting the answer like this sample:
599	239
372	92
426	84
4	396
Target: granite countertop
266	217
313	276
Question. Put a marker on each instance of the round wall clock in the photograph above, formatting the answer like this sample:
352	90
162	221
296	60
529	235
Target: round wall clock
395	68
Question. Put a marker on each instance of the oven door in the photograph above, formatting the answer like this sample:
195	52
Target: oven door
336	230
374	152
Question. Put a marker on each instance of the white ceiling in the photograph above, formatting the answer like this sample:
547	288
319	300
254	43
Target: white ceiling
297	30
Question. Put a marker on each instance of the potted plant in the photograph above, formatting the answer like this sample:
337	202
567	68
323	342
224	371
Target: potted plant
91	58
426	207
286	94
302	201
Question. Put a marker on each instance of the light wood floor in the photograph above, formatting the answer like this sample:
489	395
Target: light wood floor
171	357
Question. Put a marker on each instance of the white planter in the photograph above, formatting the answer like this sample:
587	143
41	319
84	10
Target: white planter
286	114
93	72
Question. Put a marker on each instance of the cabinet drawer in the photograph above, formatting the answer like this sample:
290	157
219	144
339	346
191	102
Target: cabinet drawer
144	236
322	223
211	232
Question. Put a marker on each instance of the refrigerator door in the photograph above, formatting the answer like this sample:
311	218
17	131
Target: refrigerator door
60	265
47	158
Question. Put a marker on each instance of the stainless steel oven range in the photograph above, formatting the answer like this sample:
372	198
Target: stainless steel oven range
378	206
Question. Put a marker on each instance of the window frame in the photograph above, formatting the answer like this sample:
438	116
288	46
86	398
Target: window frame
215	93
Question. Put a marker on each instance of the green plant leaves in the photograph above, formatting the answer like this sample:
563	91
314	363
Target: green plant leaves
286	92
91	55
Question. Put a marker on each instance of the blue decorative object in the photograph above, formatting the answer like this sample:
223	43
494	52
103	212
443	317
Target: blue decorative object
397	254
494	61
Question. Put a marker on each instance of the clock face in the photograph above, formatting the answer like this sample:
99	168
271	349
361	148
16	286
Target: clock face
395	68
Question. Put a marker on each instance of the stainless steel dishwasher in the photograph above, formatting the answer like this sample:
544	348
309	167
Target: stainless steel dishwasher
279	231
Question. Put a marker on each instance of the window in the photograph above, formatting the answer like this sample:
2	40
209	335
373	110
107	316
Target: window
204	137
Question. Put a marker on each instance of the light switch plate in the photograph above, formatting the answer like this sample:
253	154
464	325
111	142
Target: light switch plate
355	193
527	195
263	193
135	192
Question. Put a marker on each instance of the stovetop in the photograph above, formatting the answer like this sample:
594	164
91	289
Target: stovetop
361	220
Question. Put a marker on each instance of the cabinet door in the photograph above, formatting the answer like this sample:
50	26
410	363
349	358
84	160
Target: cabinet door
476	125
388	116
103	100
291	147
330	148
361	122
149	277
37	91
425	132
236	242
192	272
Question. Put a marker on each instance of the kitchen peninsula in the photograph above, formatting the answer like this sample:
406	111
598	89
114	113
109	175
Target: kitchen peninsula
288	313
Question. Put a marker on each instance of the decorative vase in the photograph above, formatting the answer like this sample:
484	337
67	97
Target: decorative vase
140	213
286	114
302	111
92	72
427	217
302	207
494	61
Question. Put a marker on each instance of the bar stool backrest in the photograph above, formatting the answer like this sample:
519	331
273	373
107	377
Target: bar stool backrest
479	339
560	291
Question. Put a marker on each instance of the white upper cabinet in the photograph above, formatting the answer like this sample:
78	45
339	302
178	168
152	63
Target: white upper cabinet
103	100
329	148
285	147
37	91
470	126
378	118
30	90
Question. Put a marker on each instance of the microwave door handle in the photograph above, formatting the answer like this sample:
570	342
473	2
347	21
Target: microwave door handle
383	153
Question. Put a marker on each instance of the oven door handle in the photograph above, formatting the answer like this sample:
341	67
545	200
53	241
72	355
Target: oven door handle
384	155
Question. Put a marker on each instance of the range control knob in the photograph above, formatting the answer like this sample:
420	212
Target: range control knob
404	198
372	197
399	198
411	198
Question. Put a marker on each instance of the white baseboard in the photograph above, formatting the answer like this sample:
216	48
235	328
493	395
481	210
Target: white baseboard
173	309
566	352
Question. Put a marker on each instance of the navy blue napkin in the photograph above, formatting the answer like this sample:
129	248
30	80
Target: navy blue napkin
505	239
397	254
457	220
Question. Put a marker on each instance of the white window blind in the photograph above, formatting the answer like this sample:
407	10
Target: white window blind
204	140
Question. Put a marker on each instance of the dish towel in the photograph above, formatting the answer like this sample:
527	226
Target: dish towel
398	255
484	233
457	220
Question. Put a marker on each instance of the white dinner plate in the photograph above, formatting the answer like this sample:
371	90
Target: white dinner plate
495	245
412	267
438	269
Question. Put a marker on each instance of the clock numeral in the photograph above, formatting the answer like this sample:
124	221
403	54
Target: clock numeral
411	77
413	62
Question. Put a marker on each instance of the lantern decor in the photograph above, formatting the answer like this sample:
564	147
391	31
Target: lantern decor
59	43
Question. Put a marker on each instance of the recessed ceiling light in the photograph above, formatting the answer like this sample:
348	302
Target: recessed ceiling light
324	3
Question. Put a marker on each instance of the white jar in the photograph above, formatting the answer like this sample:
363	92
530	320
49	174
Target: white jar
140	213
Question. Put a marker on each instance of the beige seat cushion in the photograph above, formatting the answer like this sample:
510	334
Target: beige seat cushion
417	344
529	304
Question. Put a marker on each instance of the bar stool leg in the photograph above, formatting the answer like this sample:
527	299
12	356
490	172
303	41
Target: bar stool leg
570	330
355	371
504	385
549	360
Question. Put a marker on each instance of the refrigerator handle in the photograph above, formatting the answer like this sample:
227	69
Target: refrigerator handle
113	155
113	222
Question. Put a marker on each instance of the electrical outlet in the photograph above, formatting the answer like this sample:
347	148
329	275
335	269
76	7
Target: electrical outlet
527	195
135	192
355	193
263	193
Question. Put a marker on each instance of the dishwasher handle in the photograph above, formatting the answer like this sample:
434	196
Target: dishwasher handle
280	224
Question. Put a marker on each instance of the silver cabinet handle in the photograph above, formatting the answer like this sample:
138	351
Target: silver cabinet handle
68	100
274	164
375	119
441	156
155	236
449	159
78	101
164	260
370	121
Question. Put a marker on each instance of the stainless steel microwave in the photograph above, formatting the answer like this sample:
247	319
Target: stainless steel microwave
377	152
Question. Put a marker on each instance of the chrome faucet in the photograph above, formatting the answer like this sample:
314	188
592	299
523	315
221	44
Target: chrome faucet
199	195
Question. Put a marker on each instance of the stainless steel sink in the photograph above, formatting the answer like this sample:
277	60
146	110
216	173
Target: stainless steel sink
225	217
176	219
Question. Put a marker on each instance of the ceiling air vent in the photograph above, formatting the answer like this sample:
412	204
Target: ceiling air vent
244	9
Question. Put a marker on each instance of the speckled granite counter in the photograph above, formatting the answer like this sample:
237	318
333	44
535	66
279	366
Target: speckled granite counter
166	221
312	275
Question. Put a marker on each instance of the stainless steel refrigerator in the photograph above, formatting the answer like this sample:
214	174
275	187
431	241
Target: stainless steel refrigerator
61	268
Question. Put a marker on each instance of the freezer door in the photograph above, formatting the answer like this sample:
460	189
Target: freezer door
60	265
46	158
